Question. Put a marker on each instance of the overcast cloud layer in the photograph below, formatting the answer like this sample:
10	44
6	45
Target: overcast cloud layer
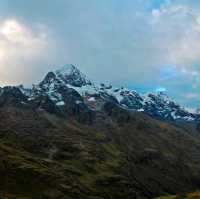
147	45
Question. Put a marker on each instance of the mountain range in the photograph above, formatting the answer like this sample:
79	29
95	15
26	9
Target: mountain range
69	80
68	137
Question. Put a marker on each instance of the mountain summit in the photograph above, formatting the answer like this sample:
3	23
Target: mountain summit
69	74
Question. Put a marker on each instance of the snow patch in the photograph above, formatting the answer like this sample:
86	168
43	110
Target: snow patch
91	99
61	103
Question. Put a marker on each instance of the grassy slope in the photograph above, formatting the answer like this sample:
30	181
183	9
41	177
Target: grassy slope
194	195
43	156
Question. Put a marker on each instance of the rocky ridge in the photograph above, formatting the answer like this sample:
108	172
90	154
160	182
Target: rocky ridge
68	89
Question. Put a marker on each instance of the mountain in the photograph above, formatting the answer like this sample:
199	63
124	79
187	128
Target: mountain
68	138
93	95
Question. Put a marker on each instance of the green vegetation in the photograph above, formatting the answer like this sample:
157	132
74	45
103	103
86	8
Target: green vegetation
194	195
47	157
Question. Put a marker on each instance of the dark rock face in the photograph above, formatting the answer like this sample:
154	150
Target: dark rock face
12	96
132	100
75	106
121	116
50	78
44	103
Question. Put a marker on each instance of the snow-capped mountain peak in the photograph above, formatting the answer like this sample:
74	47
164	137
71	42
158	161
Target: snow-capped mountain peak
57	86
69	74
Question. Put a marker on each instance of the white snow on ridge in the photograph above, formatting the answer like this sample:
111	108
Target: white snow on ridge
85	90
191	110
66	70
69	76
92	99
61	103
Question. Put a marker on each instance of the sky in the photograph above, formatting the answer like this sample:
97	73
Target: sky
146	45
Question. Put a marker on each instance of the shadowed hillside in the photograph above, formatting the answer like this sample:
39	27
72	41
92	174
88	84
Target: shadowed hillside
128	155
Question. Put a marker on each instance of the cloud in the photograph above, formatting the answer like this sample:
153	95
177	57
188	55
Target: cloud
19	46
192	96
178	32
